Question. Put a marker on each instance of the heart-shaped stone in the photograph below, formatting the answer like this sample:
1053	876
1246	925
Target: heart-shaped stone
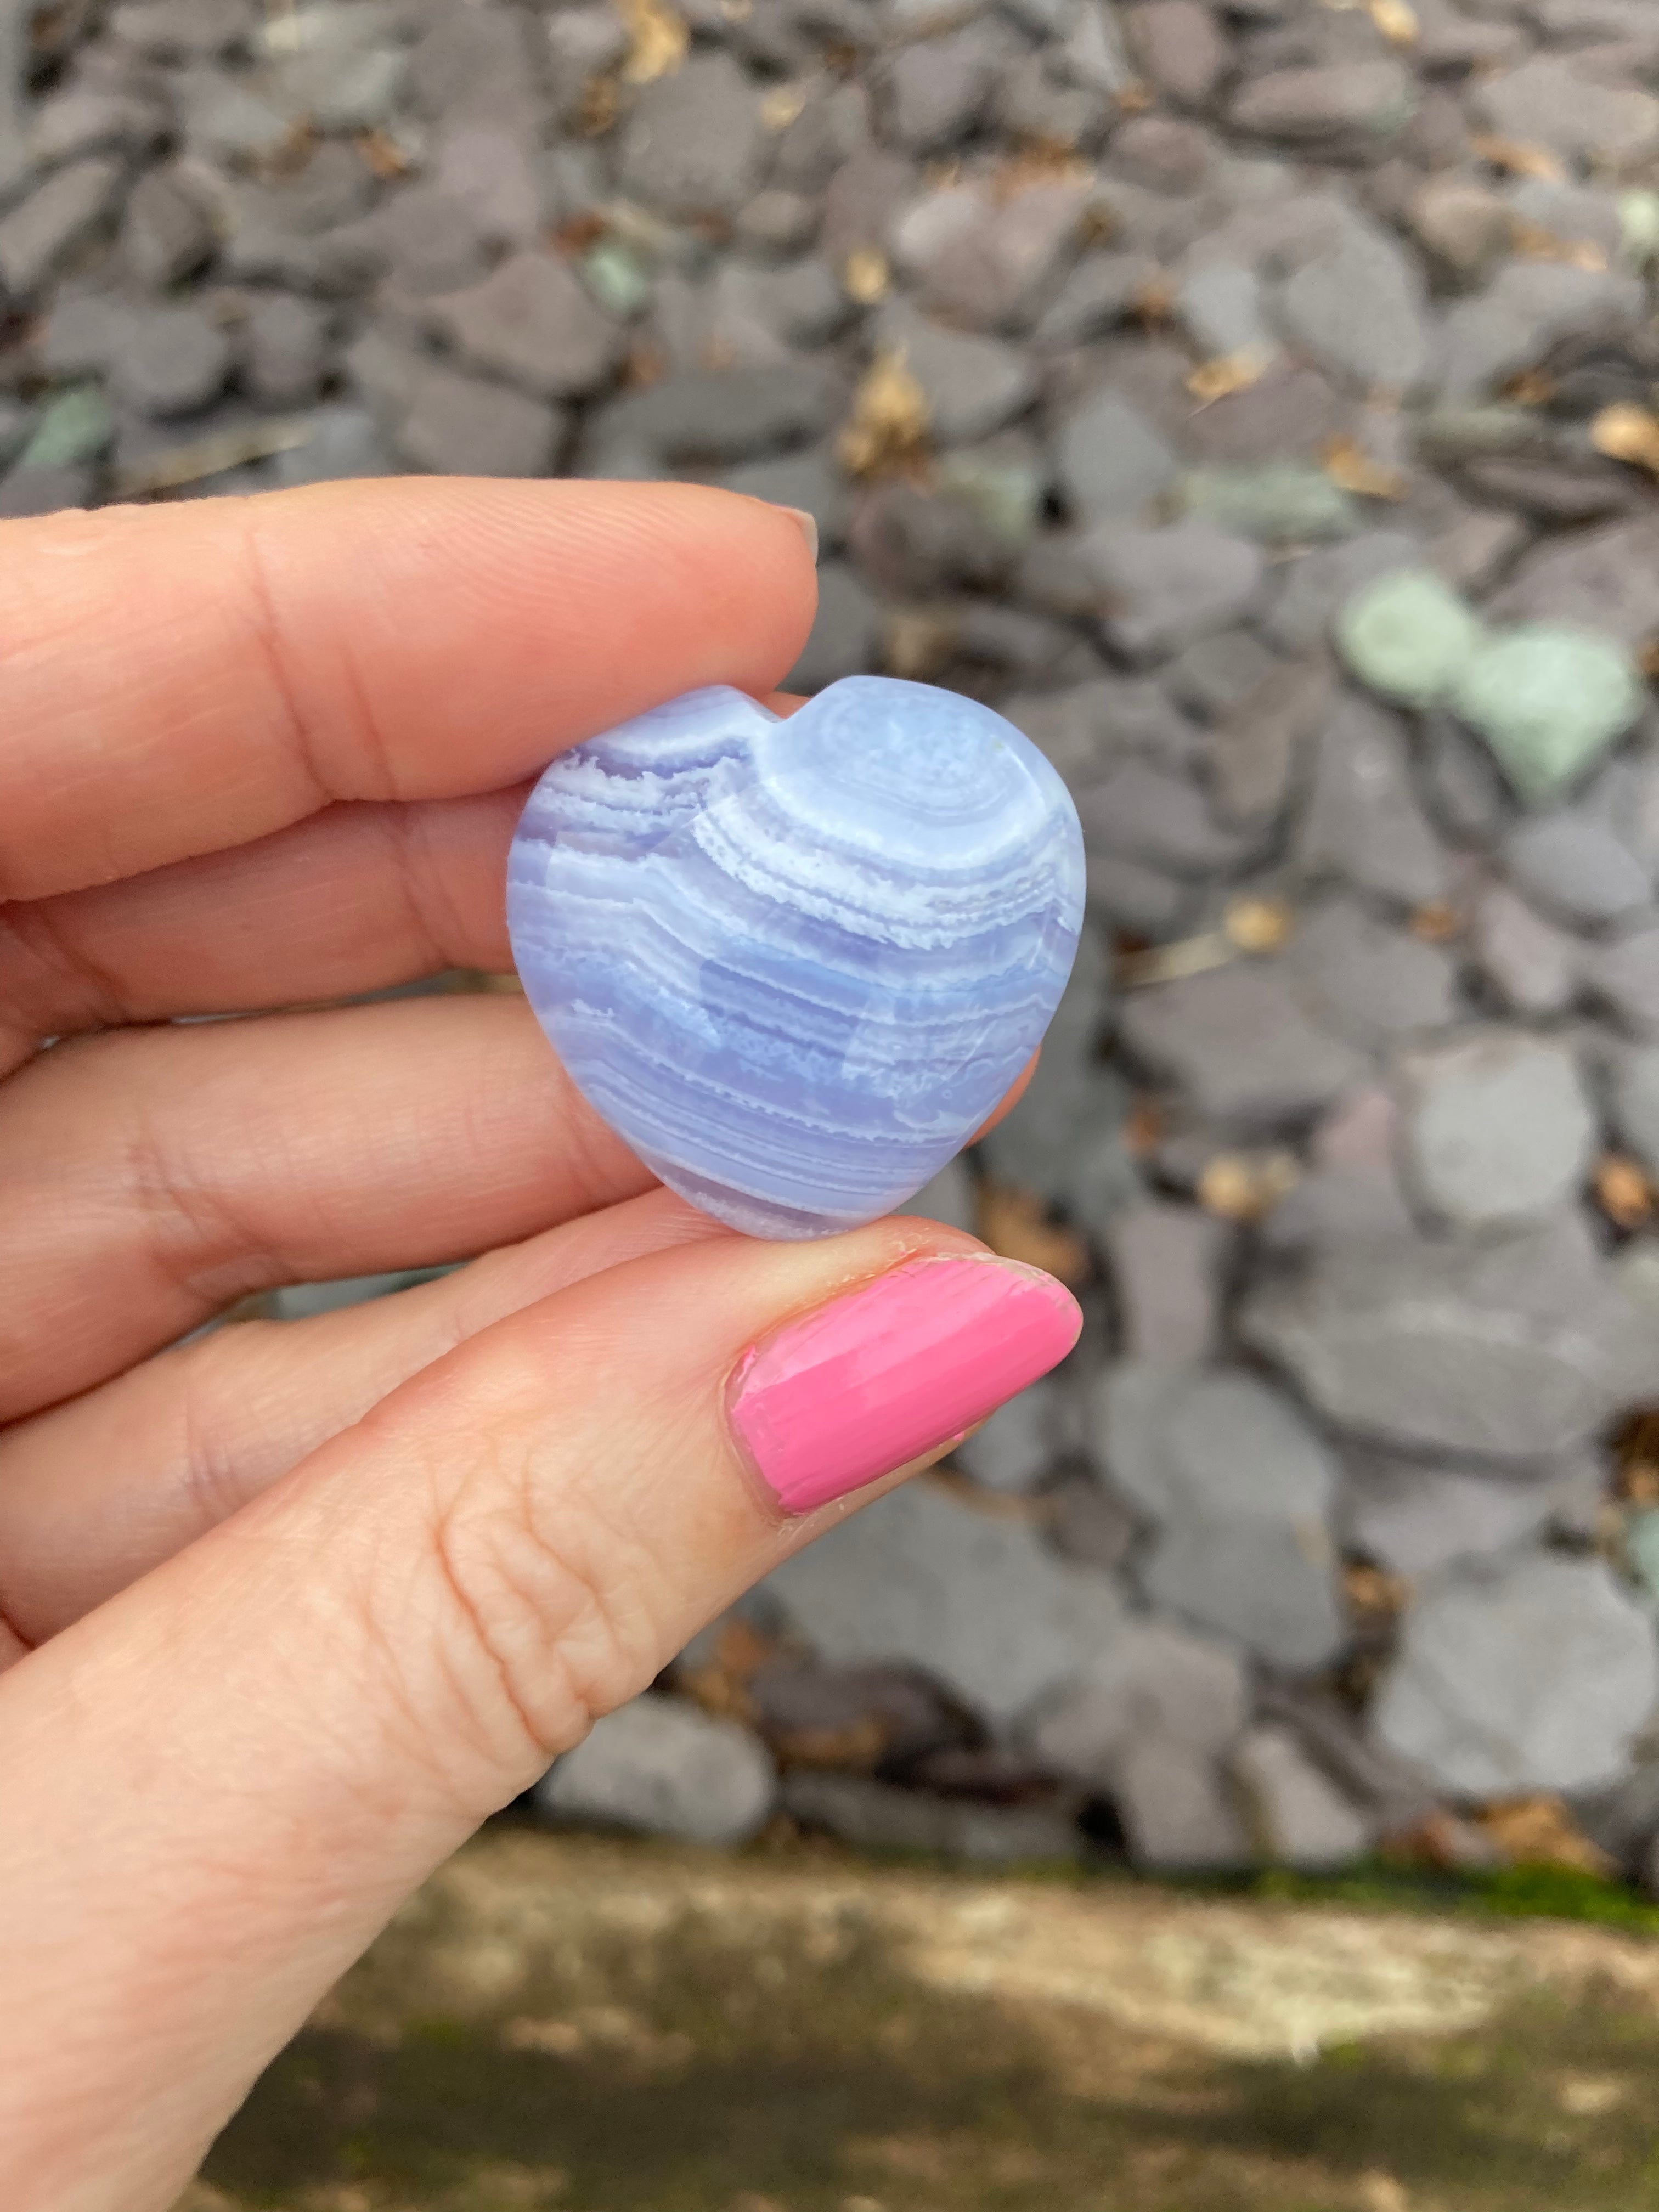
795	963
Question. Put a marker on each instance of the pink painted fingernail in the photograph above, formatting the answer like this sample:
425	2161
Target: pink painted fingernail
878	1377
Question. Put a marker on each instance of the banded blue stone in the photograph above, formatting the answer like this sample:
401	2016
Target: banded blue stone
795	962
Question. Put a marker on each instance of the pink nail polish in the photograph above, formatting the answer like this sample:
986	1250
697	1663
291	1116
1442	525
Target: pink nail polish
888	1372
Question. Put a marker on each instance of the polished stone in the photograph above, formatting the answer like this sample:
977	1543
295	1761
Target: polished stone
794	964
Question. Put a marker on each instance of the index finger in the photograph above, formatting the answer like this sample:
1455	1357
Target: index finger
178	679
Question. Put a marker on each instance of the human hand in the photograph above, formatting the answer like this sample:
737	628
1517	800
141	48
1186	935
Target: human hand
286	1610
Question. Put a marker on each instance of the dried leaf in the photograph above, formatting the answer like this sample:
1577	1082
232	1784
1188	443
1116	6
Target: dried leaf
1436	922
1373	1594
659	37
888	433
1134	98
1623	1190
1531	388
1259	925
1519	158
1628	434
1533	242
1351	468
1044	161
1243	1186
1015	1224
866	276
1647	660
780	107
385	157
1395	20
1154	303
1143	1128
212	456
917	644
1541	1831
601	99
1229	372
1169	963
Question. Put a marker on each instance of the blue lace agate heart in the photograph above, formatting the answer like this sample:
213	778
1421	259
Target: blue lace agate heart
795	963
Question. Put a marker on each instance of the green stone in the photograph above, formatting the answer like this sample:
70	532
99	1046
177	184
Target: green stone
75	426
616	277
1638	227
1280	503
1549	699
1408	635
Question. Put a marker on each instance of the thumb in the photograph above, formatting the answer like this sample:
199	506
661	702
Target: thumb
220	1784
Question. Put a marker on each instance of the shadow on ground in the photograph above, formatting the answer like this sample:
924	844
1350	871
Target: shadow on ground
662	2051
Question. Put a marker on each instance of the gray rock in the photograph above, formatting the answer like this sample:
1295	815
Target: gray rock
1013	1451
1063	1141
1623	977
476	62
706	420
224	119
1240	1490
1240	1045
876	1817
1089	728
167	231
492	173
1359	311
532	322
1363	821
1110	461
1180	46
1499	1130
1100	293
1296	1814
846	639
1089	1522
285	351
692	146
934	90
1143	813
973	386
182	30
178	359
1166	1261
976	1602
1529	306
1158	590
808	480
1605	579
1532	966
1221	309
1414	1516
461	426
1547	102
1220	673
1318	586
37	488
1635	1103
1518	1349
1366	981
1465	228
85	334
950	1197
1532	1672
1150	1724
1575	867
660	1765
345	443
1359	105
58	215
1255	747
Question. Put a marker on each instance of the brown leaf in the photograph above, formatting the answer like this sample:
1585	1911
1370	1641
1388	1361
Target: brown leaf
1395	20
1015	1224
887	434
1519	158
1229	372
1541	1831
1259	925
658	39
866	276
1243	1186
1351	468
1623	1191
1628	434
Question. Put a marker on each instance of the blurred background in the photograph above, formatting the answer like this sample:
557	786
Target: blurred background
1235	1780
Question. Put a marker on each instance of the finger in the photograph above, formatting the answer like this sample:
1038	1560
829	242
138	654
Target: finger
255	660
221	1783
354	899
96	1492
153	1176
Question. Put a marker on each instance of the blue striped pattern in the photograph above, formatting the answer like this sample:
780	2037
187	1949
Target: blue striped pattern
796	963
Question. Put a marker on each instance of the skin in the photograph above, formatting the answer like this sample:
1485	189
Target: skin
285	1612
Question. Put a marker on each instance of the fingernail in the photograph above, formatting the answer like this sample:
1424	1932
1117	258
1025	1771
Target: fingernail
809	526
877	1378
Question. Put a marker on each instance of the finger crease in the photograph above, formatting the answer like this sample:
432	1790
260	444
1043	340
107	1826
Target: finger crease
52	985
267	632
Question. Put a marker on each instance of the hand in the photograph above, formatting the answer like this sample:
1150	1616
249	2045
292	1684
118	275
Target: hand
290	1608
